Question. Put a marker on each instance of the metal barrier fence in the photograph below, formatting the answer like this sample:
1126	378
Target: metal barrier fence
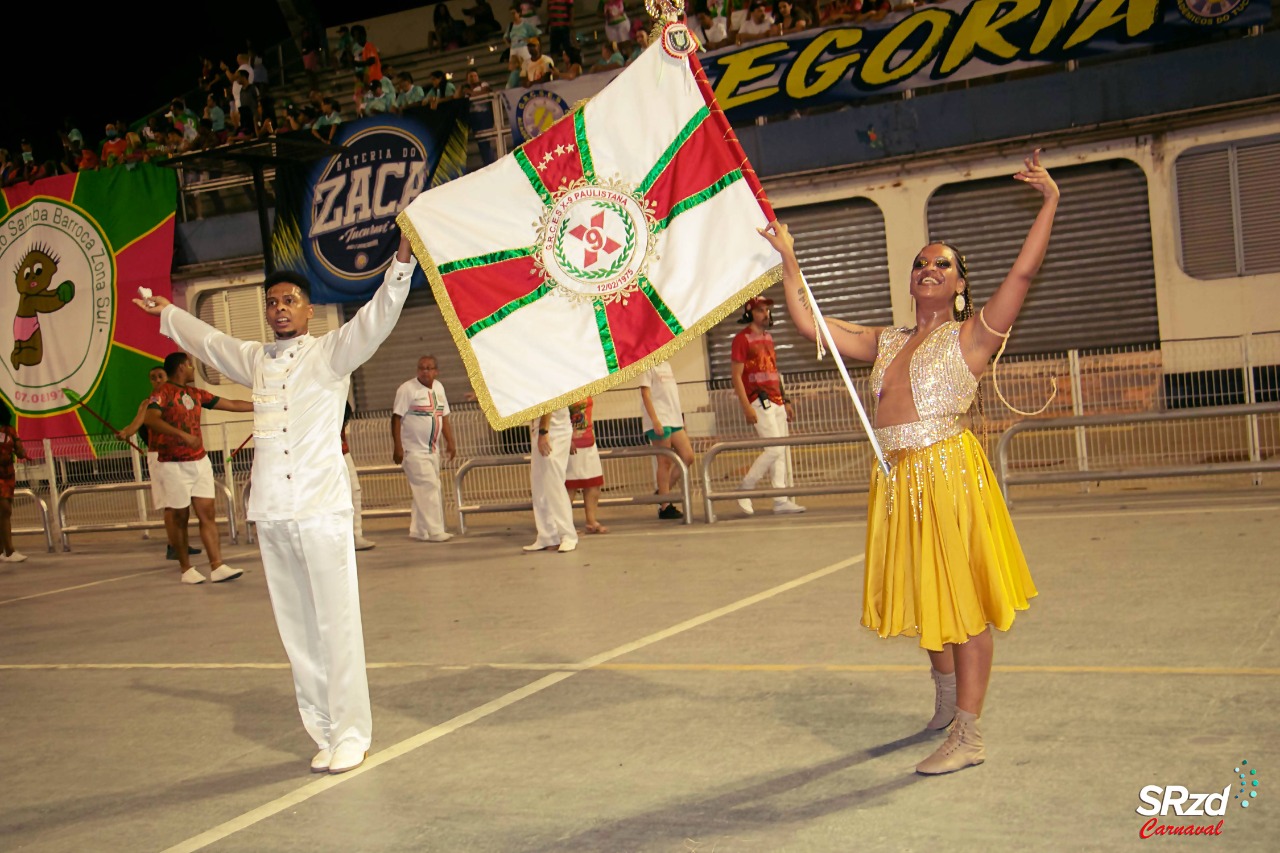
43	509
1241	419
1176	376
684	496
66	529
807	442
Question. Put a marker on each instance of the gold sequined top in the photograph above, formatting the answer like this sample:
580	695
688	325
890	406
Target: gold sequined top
942	386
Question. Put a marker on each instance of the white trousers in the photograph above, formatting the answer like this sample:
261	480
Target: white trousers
770	423
423	472
357	522
552	509
311	575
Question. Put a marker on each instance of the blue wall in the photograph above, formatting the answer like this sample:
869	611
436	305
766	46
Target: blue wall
1220	73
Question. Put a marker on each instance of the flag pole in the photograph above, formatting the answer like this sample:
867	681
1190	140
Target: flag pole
241	447
753	180
820	324
75	398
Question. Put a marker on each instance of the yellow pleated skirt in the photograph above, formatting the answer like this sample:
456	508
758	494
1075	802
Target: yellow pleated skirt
943	561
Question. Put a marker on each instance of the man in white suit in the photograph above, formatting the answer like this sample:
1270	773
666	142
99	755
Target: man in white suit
301	495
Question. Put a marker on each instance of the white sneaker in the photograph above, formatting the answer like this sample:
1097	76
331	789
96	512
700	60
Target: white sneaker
15	557
440	537
363	544
744	504
192	575
567	545
224	573
537	546
787	507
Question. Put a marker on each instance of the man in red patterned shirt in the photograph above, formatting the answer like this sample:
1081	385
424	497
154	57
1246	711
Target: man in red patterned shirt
759	387
173	419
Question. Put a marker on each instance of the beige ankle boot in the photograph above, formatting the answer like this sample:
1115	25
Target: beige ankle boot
962	748
944	703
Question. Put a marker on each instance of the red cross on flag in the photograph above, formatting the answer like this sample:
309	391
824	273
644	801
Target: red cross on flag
597	249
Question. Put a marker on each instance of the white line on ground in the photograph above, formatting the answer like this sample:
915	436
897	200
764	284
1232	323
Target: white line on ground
313	789
84	585
229	558
1067	513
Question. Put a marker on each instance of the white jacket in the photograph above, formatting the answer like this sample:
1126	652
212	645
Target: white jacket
299	388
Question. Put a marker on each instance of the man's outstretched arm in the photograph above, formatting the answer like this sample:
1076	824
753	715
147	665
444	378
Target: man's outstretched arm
359	338
228	355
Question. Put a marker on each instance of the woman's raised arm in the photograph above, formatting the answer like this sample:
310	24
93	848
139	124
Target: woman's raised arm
852	340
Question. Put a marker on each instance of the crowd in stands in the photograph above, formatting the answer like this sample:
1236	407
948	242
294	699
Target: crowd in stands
234	101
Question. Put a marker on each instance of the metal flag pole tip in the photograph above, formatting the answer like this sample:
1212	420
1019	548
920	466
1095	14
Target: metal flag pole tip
820	325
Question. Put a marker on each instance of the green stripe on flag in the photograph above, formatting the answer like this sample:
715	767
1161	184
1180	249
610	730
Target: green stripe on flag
534	178
698	198
664	312
667	156
584	150
606	338
514	305
485	260
127	203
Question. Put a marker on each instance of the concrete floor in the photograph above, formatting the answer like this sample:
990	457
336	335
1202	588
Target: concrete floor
662	689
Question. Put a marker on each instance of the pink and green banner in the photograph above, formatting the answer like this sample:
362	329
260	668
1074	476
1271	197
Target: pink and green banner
76	249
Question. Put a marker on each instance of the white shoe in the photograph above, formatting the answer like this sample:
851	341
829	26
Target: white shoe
363	544
15	557
744	504
224	573
537	546
320	764
567	545
787	507
348	756
192	575
440	537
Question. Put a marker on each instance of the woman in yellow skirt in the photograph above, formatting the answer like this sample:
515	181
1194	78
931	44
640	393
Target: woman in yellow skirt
943	563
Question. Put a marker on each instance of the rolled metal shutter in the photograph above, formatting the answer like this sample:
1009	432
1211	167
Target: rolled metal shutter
1206	222
1097	285
1258	171
420	331
841	248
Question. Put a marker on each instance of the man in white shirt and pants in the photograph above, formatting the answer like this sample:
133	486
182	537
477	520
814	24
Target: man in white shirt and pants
550	437
301	497
419	418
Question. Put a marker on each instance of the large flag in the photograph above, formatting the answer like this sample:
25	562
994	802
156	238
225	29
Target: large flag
599	248
335	217
77	248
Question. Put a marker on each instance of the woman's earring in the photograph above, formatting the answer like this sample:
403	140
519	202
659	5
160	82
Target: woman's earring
960	303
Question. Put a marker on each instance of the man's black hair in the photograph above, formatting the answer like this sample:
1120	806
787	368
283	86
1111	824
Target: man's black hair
287	277
173	361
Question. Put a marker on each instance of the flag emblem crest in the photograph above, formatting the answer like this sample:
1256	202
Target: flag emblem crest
538	110
595	242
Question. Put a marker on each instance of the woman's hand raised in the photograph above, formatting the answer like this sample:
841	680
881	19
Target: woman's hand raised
1038	176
